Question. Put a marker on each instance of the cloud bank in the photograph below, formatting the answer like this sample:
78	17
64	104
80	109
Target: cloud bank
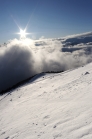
20	59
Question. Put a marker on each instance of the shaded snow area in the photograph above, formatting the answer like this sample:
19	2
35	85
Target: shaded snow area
50	106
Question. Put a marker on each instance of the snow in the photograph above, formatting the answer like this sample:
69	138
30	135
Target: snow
50	106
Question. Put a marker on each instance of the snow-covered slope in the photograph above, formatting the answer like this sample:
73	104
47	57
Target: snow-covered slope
50	106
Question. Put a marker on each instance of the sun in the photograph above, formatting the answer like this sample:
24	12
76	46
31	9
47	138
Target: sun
23	33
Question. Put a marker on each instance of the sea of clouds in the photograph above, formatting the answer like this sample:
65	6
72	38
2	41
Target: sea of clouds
21	59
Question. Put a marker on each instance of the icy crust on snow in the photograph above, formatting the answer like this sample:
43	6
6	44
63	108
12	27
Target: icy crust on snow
51	106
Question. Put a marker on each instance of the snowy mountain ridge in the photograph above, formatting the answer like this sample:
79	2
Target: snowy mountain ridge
53	106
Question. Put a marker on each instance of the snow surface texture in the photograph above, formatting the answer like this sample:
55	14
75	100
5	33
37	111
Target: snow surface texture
20	59
50	106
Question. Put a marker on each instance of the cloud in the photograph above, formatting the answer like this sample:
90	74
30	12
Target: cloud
42	37
79	38
20	59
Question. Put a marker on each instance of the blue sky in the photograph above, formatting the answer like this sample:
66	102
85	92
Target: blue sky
49	18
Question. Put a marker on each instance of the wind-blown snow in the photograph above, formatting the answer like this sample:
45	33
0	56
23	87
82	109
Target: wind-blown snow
50	106
20	59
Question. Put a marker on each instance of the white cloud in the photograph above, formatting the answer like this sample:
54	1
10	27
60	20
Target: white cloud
20	59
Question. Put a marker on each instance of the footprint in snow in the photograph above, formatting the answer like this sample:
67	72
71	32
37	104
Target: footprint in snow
58	135
55	126
3	133
86	73
7	137
46	117
44	92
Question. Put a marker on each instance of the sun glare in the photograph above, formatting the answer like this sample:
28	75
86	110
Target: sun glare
23	34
